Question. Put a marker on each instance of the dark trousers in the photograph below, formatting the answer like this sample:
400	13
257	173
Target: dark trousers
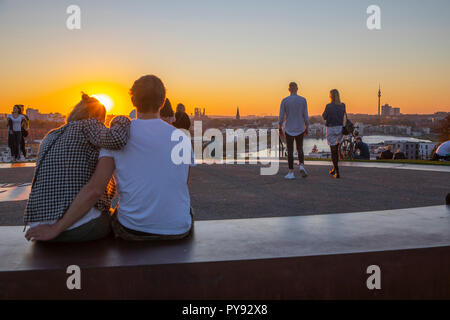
125	233
290	149
15	146
335	157
93	230
22	145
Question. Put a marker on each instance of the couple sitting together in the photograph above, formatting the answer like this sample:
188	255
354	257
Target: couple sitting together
81	164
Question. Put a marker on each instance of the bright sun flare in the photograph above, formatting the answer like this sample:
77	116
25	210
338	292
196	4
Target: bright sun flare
105	100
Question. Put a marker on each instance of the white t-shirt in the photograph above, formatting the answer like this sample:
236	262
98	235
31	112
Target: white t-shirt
92	214
444	149
153	191
17	122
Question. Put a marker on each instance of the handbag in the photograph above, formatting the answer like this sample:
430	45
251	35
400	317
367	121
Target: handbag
24	132
348	127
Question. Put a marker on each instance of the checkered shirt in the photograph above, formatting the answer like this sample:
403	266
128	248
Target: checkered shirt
69	163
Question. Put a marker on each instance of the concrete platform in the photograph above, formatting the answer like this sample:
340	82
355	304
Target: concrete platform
320	257
240	192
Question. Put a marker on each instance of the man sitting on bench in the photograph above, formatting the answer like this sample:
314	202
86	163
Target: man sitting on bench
154	201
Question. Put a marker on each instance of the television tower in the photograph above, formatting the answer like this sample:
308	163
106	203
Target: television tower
379	101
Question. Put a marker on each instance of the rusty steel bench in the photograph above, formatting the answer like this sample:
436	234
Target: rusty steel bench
315	257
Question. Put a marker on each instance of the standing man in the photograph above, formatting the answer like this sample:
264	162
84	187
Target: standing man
294	110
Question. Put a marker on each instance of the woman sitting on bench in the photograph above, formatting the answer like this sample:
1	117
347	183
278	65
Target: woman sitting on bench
66	161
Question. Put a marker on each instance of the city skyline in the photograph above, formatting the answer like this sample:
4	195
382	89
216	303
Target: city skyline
219	56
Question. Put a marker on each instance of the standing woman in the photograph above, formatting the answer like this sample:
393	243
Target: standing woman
334	117
182	120
166	114
11	143
15	130
25	129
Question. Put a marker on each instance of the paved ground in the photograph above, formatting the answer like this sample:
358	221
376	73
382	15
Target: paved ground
239	191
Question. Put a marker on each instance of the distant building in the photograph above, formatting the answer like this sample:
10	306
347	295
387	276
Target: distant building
316	130
198	114
386	110
413	150
34	114
360	128
395	112
389	111
238	117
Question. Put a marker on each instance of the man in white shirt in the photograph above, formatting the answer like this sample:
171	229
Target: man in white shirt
294	110
154	201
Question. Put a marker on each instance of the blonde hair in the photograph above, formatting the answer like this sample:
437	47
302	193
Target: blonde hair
335	97
87	108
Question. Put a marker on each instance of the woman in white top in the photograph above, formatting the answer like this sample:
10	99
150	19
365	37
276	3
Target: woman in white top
15	122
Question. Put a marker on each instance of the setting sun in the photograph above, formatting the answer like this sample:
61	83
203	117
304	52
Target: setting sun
105	100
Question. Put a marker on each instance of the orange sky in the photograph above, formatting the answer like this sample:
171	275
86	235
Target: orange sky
220	56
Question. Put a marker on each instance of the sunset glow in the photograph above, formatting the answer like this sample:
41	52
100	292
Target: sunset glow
105	100
220	55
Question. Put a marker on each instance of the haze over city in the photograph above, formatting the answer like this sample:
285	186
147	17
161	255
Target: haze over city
220	55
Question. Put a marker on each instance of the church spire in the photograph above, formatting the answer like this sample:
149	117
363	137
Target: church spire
238	117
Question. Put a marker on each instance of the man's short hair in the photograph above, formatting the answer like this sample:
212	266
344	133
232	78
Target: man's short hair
293	86
148	93
358	139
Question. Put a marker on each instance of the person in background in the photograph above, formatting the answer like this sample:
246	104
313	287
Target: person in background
67	159
166	114
294	109
364	153
11	143
399	155
25	129
442	152
182	120
334	117
386	154
15	123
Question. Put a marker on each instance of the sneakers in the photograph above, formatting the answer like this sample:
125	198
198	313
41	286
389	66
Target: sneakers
290	176
303	171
